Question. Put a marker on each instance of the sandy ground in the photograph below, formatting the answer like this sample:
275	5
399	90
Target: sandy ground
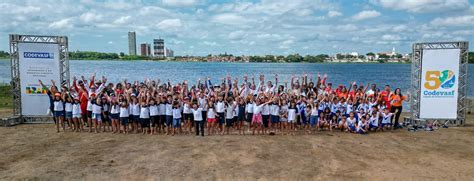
38	152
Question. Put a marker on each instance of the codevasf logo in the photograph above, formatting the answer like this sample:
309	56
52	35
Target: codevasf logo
38	55
438	81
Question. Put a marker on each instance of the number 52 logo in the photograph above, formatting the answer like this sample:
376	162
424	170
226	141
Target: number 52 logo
435	79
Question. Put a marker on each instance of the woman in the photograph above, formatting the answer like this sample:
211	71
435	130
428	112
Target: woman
396	105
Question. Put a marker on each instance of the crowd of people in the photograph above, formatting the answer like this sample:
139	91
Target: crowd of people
227	106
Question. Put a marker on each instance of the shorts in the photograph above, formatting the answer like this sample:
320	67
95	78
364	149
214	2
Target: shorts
68	115
240	117
249	117
97	117
134	119
188	117
177	123
124	121
304	120
169	120
211	120
114	116
228	122
386	124
145	122
291	121
352	128
373	126
265	120
89	114
275	119
257	119
79	116
58	113
313	120
221	118
162	120
154	120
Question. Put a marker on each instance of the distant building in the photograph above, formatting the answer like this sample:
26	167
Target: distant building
132	43
169	53
159	48
145	49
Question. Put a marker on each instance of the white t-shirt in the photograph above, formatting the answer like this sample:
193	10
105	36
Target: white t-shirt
58	106
114	109
197	114
249	107
154	110
275	110
96	109
176	113
162	109
145	112
124	112
257	109
168	109
76	109
291	114
186	109
265	110
211	113
68	107
220	107
386	118
229	112
374	120
314	111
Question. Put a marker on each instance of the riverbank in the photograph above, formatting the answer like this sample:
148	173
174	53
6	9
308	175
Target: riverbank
38	152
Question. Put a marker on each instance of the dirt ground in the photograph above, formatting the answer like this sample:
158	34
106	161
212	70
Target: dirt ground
36	151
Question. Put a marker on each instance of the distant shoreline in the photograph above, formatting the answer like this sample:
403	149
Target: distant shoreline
121	60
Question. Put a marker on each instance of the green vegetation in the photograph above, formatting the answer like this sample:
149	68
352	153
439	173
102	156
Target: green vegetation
88	55
4	54
289	58
470	57
6	99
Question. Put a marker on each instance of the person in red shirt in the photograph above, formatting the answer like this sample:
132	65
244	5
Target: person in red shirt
385	96
83	96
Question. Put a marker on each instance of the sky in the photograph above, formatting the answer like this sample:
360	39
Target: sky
243	27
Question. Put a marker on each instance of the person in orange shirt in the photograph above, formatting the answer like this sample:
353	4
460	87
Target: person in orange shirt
396	100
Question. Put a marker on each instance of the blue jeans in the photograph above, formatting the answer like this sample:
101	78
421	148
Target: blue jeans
177	122
313	120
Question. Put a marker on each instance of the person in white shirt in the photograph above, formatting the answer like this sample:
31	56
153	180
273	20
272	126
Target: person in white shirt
76	114
198	119
124	115
169	114
145	115
97	113
386	116
154	116
211	119
374	121
58	109
177	110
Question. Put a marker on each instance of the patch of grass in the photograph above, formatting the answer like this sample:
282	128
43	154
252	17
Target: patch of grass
6	99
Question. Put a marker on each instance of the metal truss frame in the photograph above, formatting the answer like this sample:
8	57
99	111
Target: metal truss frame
15	39
416	72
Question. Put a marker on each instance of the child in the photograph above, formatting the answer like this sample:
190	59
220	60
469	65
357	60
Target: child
211	118
124	115
97	113
68	108
374	121
351	123
229	113
386	117
76	114
169	114
176	117
198	119
187	113
362	125
240	115
284	117
145	115
313	115
275	114
154	116
135	113
220	109
59	111
114	115
291	117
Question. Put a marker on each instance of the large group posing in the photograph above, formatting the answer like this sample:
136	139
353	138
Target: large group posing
229	106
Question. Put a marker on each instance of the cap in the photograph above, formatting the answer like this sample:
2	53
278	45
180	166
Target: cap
57	94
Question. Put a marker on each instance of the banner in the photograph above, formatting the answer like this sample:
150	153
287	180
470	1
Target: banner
37	61
439	84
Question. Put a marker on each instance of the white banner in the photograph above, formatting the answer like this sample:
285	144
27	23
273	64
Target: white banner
439	84
38	61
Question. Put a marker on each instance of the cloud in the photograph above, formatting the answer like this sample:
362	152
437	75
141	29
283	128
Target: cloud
333	14
169	24
467	20
90	17
180	3
286	44
230	19
423	6
210	43
388	37
368	14
237	35
61	24
123	20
